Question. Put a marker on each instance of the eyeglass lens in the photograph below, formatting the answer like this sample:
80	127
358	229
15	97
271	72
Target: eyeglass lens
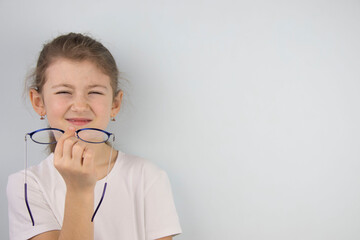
46	136
92	136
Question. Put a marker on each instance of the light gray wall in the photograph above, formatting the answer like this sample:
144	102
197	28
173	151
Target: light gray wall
252	107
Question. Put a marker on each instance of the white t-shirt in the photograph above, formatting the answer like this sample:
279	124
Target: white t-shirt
138	203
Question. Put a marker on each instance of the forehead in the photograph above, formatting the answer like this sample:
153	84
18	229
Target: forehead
77	73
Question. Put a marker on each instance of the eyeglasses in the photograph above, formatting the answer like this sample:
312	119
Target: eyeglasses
50	136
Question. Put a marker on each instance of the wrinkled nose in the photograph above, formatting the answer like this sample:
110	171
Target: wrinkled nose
80	104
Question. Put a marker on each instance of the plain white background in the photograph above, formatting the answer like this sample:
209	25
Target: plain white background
252	107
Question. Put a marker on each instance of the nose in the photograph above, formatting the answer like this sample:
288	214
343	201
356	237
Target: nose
80	104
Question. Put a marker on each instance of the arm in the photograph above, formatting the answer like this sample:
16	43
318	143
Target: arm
55	235
75	163
47	235
77	219
165	238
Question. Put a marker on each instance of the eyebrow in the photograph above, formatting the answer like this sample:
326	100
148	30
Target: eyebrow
62	85
71	86
97	85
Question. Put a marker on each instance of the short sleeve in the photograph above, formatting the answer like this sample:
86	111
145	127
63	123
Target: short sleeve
20	225
161	219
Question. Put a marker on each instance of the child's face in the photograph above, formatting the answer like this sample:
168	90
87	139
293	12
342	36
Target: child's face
77	94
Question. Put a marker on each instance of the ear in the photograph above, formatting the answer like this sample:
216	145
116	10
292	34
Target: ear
37	102
116	103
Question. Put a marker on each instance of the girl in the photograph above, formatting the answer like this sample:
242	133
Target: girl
75	85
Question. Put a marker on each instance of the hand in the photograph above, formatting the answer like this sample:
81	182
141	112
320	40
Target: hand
75	162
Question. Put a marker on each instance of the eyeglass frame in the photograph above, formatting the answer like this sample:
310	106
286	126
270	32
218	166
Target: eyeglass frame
77	135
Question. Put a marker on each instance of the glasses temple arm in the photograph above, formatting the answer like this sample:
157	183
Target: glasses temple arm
25	184
27	205
98	206
105	185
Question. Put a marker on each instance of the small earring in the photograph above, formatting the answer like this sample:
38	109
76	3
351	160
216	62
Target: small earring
112	119
42	117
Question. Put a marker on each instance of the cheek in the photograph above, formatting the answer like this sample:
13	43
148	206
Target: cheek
55	108
102	107
100	103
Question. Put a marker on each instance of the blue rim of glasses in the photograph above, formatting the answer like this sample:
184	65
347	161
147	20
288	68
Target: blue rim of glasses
77	134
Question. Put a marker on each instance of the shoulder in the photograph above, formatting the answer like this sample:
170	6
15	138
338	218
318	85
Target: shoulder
15	180
139	168
42	174
154	195
40	187
138	164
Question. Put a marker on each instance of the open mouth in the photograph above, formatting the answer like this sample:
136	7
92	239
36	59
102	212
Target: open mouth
78	121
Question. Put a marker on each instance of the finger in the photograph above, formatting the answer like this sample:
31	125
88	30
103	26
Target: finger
78	152
88	158
68	145
60	143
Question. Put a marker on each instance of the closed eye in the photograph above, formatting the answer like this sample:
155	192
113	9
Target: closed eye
96	92
63	92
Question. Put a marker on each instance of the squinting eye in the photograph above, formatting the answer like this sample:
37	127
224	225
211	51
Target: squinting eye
94	92
63	92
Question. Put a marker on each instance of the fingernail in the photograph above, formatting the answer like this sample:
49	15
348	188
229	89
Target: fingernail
71	128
